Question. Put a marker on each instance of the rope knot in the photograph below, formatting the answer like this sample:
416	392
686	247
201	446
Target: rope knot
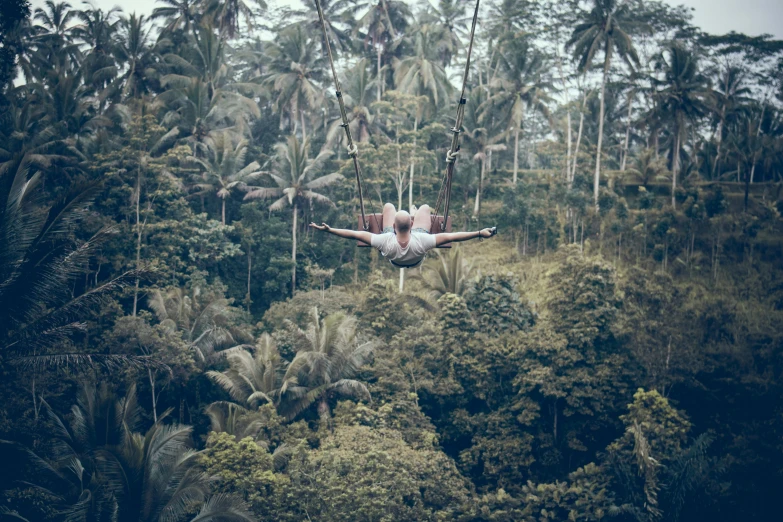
451	157
353	150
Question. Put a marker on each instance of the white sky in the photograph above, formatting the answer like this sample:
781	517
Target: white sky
752	17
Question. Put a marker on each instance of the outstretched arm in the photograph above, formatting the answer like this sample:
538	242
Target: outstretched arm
344	232
456	237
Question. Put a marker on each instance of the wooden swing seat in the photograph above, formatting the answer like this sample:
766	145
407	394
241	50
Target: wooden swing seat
376	226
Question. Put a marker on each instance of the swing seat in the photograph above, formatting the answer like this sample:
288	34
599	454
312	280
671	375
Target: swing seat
376	226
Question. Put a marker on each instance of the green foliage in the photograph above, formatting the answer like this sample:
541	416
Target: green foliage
360	473
497	305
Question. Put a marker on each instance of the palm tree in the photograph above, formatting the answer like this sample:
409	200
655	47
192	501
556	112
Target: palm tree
225	14
205	322
356	84
295	68
252	378
521	85
448	275
449	18
157	475
421	74
227	417
223	168
135	53
334	11
647	168
732	95
605	27
39	259
292	172
324	370
97	31
382	21
683	95
177	14
481	140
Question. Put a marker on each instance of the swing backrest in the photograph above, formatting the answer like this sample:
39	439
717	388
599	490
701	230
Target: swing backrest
376	226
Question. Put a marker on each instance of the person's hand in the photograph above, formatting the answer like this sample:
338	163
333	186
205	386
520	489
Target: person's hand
488	232
323	227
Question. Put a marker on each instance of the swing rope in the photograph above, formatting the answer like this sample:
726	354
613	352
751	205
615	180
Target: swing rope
353	150
444	195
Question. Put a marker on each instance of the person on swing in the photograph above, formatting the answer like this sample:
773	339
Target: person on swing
407	240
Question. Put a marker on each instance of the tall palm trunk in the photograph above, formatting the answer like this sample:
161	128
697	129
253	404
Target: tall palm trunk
293	251
627	133
304	130
477	204
223	214
578	138
516	155
378	72
138	239
675	165
597	177
413	162
249	267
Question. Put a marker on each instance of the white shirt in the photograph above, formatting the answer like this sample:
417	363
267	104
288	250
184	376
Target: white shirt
407	257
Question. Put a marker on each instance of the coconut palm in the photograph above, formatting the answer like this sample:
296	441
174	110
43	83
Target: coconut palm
356	85
646	168
206	322
295	69
522	84
224	169
225	15
252	378
605	27
450	19
292	172
481	139
39	259
684	95
379	26
157	476
134	51
421	74
177	14
323	371
335	11
732	96
97	30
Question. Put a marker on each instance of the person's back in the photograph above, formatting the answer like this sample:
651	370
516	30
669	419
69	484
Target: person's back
404	255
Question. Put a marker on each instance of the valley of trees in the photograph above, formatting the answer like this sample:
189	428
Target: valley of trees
176	344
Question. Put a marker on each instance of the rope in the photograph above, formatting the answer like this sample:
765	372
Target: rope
353	150
444	195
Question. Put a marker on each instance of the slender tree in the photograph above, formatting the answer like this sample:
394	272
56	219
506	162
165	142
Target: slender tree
605	27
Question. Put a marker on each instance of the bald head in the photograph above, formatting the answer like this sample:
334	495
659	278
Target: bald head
402	222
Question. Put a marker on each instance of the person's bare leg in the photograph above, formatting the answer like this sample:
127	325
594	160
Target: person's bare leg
423	218
388	215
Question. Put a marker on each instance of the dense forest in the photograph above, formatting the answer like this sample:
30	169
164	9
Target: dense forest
177	345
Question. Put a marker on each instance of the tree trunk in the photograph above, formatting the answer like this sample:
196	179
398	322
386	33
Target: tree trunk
378	72
675	166
304	130
627	134
138	239
568	149
249	266
224	212
516	155
602	110
154	397
413	162
578	138
477	204
293	252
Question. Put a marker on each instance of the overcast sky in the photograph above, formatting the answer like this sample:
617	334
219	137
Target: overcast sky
752	17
